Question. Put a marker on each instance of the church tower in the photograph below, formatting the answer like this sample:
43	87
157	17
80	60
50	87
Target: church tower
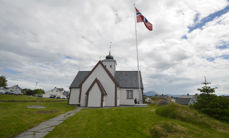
110	63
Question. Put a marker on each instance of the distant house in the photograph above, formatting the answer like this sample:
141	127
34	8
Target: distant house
188	96
147	100
173	100
16	90
185	101
56	93
2	90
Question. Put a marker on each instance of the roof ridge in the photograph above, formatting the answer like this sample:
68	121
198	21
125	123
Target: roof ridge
125	79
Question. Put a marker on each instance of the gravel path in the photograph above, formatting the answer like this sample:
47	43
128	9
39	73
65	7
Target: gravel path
45	127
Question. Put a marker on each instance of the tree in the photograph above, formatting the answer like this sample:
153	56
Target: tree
206	90
28	91
3	81
211	104
37	92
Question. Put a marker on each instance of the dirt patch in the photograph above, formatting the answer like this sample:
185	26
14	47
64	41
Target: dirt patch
46	112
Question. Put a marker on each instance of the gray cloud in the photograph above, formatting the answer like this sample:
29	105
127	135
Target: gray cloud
49	41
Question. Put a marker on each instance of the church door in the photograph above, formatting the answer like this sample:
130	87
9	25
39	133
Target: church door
95	97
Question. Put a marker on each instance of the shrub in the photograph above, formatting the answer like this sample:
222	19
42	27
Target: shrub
214	106
211	104
33	92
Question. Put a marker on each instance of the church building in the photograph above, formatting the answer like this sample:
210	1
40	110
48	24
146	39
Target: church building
103	86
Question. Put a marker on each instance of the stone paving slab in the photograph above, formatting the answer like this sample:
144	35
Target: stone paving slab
44	128
36	106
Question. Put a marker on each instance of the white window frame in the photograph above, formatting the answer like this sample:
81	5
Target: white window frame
129	94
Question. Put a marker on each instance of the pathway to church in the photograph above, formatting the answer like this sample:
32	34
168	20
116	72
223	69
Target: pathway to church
45	127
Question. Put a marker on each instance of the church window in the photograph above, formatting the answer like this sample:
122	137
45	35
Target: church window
110	66
105	66
129	94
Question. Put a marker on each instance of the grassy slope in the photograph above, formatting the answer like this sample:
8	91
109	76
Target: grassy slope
153	121
16	117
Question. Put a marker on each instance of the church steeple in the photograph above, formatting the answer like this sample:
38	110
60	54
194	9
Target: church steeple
110	63
109	56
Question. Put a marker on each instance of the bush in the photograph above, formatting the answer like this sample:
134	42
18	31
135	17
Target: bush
163	102
211	104
33	92
214	106
155	98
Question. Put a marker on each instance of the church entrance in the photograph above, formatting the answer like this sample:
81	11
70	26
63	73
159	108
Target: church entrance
94	97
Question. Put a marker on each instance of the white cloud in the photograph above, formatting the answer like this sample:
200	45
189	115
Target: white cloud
37	36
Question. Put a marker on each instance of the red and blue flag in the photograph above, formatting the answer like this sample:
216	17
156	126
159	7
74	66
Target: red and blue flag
141	18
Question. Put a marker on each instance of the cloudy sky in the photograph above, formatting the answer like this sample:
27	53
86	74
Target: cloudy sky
49	41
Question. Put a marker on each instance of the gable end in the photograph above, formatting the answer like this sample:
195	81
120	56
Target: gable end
109	74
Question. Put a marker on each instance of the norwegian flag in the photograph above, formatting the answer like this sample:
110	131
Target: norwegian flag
141	18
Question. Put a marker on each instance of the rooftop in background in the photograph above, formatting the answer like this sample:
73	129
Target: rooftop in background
184	101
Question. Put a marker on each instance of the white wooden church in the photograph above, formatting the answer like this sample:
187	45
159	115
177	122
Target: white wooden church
103	86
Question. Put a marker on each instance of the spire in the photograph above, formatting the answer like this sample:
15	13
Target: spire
110	49
109	56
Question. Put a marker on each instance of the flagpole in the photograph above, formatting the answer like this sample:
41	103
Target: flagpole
136	42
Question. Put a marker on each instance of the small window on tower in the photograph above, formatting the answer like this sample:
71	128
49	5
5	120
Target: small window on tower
105	66
110	66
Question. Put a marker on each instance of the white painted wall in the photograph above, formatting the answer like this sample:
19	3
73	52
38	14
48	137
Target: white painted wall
110	65
123	97
107	83
118	96
74	96
55	91
94	98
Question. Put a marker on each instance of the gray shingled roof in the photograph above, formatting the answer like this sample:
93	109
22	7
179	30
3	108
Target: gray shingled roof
79	78
184	101
125	79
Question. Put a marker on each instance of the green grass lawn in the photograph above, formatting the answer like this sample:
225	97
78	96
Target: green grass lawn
15	117
24	98
153	121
